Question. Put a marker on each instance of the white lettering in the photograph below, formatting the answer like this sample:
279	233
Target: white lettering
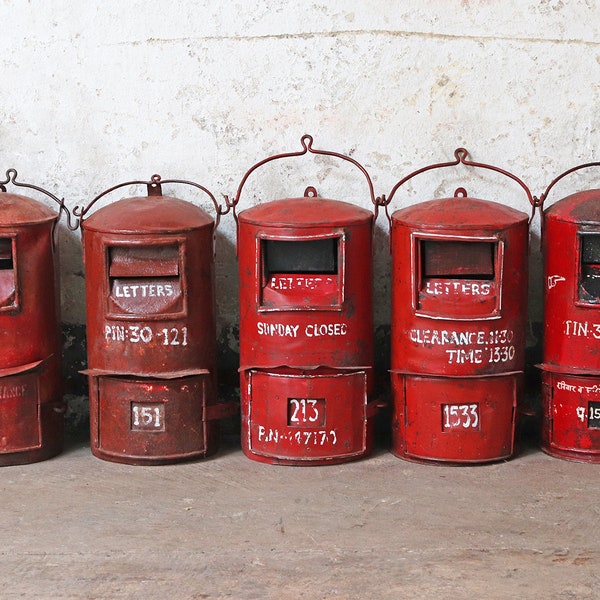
294	436
452	288
468	347
300	282
460	356
12	391
114	333
144	334
444	337
312	330
582	329
326	330
460	416
130	290
277	329
578	389
261	433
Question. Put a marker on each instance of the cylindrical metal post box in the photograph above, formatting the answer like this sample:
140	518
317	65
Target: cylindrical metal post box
571	355
151	328
459	310
31	405
306	340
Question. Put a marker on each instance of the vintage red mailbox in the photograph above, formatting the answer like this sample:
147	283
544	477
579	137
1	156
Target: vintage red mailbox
151	328
31	405
459	310
306	340
571	356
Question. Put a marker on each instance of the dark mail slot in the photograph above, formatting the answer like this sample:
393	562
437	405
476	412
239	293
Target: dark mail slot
589	284
144	261
7	274
144	280
6	253
304	256
457	259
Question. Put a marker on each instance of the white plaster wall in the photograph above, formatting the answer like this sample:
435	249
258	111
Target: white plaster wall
98	92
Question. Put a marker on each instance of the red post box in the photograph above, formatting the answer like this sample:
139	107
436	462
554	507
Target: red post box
459	310
571	354
31	405
306	339
151	327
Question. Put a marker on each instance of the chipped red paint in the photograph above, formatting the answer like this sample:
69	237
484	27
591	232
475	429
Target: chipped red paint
31	405
571	356
306	337
151	330
306	327
459	310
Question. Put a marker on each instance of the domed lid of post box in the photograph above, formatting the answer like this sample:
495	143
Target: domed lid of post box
460	212
305	212
21	210
581	207
148	214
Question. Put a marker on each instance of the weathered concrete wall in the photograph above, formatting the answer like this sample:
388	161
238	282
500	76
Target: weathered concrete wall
97	93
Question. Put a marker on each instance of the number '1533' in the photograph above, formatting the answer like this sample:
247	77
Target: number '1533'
460	416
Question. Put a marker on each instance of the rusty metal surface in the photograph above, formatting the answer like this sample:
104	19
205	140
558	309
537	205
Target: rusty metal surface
581	207
151	327
31	406
292	417
131	215
306	335
22	210
305	320
571	416
151	421
146	212
455	420
305	211
460	212
571	351
570	299
451	322
459	311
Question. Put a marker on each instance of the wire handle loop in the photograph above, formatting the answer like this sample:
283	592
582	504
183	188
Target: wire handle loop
461	157
154	186
306	142
11	177
544	195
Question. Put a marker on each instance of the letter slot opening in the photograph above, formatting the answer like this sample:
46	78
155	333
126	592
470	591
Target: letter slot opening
589	278
7	273
458	260
458	279
144	280
306	256
301	273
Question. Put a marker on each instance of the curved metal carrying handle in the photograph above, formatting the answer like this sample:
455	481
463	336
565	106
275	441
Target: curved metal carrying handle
154	189
306	142
11	177
544	195
460	155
